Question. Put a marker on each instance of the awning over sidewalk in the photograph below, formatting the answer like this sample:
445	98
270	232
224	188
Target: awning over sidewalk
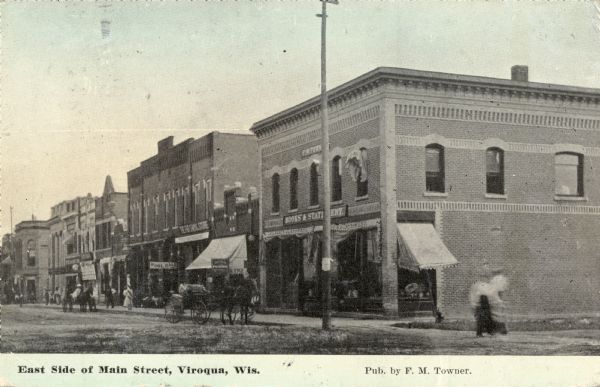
420	247
231	249
191	238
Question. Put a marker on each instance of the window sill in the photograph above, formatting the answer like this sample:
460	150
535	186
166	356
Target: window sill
570	198
337	202
275	213
313	207
435	194
361	198
292	211
496	196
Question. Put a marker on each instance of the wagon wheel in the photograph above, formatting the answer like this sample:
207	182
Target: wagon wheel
172	313
200	313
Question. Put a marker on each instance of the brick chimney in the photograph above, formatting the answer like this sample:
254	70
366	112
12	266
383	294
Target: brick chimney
519	73
165	144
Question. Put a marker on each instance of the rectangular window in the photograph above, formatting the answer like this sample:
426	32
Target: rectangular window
314	185
568	174
336	179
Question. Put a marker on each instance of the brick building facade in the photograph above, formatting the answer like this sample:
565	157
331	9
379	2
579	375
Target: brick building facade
172	199
72	242
466	176
111	238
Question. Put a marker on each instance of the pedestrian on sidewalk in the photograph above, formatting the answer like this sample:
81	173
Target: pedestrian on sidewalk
128	294
110	297
57	296
46	296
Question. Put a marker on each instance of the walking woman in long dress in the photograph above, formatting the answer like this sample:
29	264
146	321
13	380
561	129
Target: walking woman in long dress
128	294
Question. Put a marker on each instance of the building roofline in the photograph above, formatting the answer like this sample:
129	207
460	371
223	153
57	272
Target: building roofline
395	73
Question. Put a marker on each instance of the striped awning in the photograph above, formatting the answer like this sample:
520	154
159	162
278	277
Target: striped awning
420	247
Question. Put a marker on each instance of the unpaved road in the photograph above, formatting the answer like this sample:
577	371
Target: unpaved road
45	330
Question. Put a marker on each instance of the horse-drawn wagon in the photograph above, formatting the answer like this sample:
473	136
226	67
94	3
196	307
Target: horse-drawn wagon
233	302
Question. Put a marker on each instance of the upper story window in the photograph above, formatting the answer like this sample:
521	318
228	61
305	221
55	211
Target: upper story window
568	174
494	171
30	253
336	179
275	193
362	182
314	185
434	168
294	189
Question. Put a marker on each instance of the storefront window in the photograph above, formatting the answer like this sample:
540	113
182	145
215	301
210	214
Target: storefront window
359	279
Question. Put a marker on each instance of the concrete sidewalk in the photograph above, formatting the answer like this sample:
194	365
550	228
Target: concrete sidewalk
259	318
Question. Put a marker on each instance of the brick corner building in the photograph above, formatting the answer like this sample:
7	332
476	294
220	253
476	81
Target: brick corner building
438	181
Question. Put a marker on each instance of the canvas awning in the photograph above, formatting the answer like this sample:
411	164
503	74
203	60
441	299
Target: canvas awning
6	261
191	238
420	247
232	249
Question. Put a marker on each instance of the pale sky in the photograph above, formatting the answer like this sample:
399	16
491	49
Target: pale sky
77	106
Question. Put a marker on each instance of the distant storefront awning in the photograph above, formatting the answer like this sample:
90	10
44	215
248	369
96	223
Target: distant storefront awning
420	247
6	261
231	250
191	238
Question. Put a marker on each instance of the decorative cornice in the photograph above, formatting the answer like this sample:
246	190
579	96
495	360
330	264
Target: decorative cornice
461	143
499	116
350	122
410	205
430	82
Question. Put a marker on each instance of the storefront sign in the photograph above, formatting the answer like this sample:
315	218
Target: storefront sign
363	209
220	263
311	151
195	227
313	215
294	231
162	265
273	223
88	272
363	224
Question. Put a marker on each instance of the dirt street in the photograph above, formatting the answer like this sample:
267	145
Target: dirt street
37	329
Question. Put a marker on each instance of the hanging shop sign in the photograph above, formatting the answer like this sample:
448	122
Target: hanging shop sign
88	271
337	212
162	265
219	263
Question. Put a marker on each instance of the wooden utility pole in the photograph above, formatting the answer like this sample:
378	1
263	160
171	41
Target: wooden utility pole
326	257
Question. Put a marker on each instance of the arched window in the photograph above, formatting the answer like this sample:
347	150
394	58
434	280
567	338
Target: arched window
314	185
494	171
568	174
362	182
434	168
275	193
336	179
294	189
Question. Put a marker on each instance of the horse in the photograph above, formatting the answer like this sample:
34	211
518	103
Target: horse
239	295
